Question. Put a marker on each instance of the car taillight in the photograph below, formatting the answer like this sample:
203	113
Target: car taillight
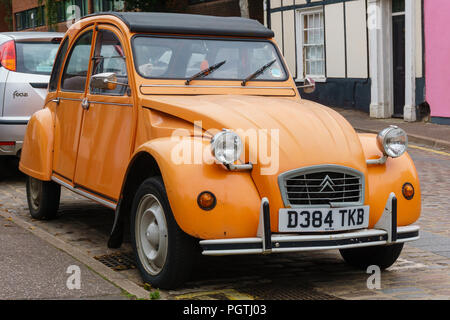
8	55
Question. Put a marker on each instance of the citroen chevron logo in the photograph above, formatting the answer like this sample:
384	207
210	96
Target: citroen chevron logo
327	182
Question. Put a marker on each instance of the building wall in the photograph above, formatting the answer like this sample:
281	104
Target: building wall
227	8
22	5
437	58
3	14
347	80
213	7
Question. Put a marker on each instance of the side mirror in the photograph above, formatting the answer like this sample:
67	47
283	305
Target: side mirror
106	81
309	85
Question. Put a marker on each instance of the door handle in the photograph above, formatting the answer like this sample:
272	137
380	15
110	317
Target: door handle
85	104
57	101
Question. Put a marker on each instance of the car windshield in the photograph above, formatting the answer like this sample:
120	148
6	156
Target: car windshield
36	57
181	58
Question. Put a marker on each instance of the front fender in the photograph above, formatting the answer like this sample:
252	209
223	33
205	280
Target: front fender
390	177
36	158
236	213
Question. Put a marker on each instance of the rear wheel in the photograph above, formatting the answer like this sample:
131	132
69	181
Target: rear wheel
43	198
382	256
164	253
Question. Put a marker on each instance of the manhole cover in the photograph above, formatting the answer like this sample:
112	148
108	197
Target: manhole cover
278	291
118	261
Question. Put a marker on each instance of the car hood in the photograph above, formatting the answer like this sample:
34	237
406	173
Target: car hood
308	133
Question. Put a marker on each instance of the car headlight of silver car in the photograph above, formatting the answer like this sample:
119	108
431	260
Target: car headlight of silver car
392	141
226	146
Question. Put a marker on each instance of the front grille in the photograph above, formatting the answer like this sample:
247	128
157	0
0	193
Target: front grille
322	185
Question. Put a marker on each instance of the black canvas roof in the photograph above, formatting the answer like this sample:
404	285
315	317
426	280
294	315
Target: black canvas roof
177	23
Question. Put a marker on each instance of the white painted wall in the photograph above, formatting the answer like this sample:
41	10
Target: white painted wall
289	40
419	48
355	12
275	3
357	58
277	29
334	40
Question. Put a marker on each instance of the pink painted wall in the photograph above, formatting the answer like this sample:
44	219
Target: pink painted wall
437	56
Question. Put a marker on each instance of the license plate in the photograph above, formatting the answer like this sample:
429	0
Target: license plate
322	219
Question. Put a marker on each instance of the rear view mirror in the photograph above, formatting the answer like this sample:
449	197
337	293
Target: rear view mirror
309	86
105	81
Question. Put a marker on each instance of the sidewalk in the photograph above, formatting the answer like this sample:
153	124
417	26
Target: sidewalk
430	134
33	269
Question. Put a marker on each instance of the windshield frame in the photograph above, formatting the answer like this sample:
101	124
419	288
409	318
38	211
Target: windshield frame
214	38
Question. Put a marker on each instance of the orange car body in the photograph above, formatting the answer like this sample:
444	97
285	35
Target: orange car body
94	151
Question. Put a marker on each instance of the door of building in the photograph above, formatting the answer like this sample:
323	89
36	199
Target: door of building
398	46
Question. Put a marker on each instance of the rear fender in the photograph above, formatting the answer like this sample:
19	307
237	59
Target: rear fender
36	158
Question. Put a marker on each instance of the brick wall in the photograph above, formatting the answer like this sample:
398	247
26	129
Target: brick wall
217	7
21	5
228	8
3	14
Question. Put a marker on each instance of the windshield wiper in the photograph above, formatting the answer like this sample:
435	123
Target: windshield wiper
205	72
257	72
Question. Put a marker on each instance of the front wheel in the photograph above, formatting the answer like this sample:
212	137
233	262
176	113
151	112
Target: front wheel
43	198
164	253
382	256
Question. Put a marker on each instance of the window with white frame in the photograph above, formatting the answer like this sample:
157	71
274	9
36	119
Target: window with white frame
310	42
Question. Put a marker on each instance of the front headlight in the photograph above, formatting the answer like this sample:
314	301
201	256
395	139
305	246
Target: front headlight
392	141
226	146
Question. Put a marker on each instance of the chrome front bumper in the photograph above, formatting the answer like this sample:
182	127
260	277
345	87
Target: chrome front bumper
385	232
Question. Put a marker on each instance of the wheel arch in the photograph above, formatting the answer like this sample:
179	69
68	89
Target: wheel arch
142	166
36	157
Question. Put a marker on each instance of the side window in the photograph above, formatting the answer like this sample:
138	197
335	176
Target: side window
56	71
76	68
109	58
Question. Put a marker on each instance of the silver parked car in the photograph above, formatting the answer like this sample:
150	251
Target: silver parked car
26	61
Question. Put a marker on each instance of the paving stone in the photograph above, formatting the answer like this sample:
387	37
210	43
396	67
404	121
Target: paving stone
86	225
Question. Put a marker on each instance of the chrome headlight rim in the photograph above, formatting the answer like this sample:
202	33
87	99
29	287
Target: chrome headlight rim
216	145
383	141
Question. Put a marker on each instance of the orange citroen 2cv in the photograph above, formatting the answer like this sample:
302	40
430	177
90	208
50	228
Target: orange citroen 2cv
193	129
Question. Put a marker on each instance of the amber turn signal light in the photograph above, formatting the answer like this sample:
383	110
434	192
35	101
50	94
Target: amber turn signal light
408	191
206	200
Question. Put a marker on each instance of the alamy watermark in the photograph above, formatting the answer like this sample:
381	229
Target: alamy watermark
260	146
73	14
374	280
74	280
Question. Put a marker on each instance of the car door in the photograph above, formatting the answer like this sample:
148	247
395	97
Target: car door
69	111
106	136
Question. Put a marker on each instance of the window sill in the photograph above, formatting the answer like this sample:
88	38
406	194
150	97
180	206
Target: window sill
319	79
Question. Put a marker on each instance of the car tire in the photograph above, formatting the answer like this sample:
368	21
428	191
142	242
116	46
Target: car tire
382	256
164	253
43	198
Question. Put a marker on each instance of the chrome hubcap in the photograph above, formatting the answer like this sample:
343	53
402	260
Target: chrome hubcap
151	234
35	193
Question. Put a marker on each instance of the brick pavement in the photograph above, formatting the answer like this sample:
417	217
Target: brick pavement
420	273
421	132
